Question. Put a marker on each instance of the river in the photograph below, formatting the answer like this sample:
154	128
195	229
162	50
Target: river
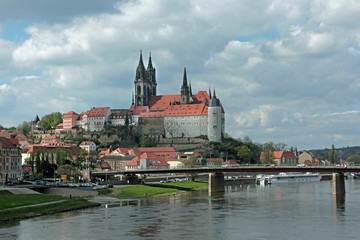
287	211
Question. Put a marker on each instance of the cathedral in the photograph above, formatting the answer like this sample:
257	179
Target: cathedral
178	115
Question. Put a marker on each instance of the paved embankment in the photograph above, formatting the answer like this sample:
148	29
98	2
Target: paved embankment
21	191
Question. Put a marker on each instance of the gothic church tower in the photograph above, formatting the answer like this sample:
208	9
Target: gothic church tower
185	90
145	82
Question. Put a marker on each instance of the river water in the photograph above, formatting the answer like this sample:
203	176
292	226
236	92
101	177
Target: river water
287	211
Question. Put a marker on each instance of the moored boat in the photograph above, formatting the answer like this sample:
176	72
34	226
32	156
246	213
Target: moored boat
288	178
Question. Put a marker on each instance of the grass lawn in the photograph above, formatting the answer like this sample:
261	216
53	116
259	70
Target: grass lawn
9	204
142	191
9	200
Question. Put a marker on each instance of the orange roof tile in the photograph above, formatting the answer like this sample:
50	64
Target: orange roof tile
98	112
186	110
70	114
140	109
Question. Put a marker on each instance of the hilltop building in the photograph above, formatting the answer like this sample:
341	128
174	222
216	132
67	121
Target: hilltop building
179	115
170	116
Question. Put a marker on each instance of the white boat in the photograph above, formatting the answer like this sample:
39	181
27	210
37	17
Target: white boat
288	178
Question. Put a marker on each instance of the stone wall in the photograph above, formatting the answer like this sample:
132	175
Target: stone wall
151	126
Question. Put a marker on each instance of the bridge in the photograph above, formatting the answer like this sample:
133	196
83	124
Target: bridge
216	174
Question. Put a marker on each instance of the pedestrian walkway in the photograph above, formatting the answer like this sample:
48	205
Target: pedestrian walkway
21	191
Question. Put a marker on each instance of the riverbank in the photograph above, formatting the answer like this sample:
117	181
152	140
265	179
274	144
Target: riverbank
22	206
152	190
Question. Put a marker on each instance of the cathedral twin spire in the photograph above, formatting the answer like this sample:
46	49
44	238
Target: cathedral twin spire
145	82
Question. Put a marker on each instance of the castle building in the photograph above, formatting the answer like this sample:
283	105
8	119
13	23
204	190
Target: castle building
179	115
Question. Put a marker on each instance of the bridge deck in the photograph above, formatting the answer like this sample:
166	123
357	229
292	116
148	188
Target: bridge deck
245	169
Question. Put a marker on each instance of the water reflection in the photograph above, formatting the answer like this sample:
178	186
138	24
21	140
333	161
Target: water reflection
339	203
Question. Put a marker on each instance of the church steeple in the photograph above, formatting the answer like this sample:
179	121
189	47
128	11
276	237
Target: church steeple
185	91
140	71
209	93
184	79
145	82
150	66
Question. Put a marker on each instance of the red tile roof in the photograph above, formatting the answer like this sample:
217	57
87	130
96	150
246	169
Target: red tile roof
231	162
70	114
278	154
8	142
124	151
186	110
98	112
162	102
85	143
140	109
154	160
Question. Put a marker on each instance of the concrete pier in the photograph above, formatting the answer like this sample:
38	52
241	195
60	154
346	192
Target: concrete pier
338	183
216	182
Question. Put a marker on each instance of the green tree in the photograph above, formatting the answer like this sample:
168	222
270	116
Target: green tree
25	127
70	171
126	120
267	157
332	154
244	153
62	156
145	141
189	163
51	120
354	159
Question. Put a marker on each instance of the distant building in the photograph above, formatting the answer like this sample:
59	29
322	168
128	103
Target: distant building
49	139
88	146
10	159
118	117
4	133
69	120
306	158
214	162
230	163
147	161
117	162
281	157
180	115
165	152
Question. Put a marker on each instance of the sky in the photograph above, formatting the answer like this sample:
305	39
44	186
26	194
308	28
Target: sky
284	70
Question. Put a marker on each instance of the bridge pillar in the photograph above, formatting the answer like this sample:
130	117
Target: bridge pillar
132	179
338	183
216	182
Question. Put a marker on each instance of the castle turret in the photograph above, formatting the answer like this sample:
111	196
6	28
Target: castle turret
215	128
185	91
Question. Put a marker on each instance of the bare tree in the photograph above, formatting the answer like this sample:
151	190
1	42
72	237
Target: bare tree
172	127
